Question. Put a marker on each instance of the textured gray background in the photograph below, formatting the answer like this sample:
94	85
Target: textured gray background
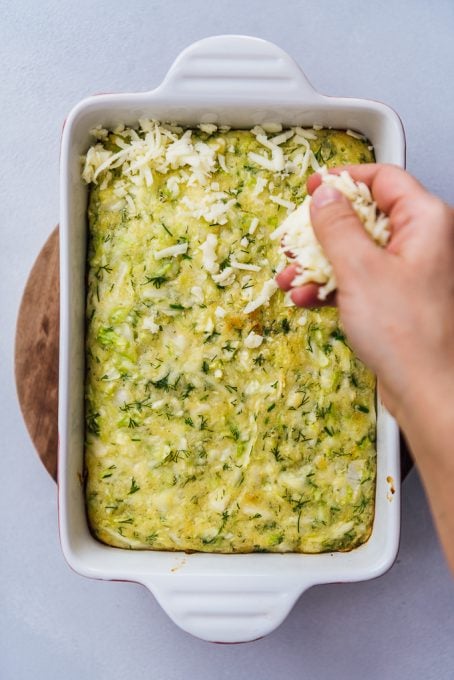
55	624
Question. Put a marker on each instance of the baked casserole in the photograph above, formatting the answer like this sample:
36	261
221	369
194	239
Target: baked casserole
219	417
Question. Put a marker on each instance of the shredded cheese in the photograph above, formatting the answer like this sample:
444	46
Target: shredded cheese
150	325
254	224
303	132
173	185
171	251
213	207
260	184
245	266
208	249
271	127
225	278
253	340
209	128
268	290
298	241
281	201
355	135
222	163
197	293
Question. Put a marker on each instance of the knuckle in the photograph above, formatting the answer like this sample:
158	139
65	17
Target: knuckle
439	216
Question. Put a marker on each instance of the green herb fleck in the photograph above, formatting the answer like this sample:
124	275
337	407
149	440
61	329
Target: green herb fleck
162	383
166	229
211	336
235	432
134	487
157	281
187	390
151	538
225	263
92	423
276	454
100	270
338	335
203	423
285	325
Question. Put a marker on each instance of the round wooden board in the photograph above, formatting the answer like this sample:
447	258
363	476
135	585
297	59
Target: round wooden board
36	353
36	357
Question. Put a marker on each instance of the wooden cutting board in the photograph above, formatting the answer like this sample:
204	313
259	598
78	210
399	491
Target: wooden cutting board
36	357
36	353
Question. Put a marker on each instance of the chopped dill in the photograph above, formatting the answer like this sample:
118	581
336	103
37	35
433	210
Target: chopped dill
134	487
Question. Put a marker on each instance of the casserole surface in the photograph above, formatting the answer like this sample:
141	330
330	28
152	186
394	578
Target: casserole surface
218	419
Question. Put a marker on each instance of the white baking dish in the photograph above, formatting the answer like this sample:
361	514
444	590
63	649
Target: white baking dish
240	81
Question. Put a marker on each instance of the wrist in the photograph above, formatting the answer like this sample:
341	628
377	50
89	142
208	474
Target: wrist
426	412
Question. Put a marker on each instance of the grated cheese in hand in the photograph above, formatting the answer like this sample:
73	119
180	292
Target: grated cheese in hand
298	241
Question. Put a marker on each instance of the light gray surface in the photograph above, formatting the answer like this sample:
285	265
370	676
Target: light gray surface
55	624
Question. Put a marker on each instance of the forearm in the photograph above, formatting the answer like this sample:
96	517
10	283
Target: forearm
428	424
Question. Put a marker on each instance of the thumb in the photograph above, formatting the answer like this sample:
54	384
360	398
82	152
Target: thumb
341	234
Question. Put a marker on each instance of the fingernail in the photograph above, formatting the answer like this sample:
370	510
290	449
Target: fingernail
324	195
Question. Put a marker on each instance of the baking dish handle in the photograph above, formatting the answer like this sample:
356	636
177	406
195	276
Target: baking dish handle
237	67
228	612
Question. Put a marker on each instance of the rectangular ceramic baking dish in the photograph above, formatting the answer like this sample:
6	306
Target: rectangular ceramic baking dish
239	81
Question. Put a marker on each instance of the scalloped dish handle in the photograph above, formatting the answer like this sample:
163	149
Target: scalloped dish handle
219	611
238	66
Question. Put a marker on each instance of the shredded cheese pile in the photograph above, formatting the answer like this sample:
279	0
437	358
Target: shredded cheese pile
159	148
298	241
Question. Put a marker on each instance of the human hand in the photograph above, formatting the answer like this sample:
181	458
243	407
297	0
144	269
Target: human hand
396	304
397	307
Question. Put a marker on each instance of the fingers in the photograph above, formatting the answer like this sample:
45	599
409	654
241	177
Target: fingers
307	296
342	236
303	296
314	182
343	239
389	184
285	278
